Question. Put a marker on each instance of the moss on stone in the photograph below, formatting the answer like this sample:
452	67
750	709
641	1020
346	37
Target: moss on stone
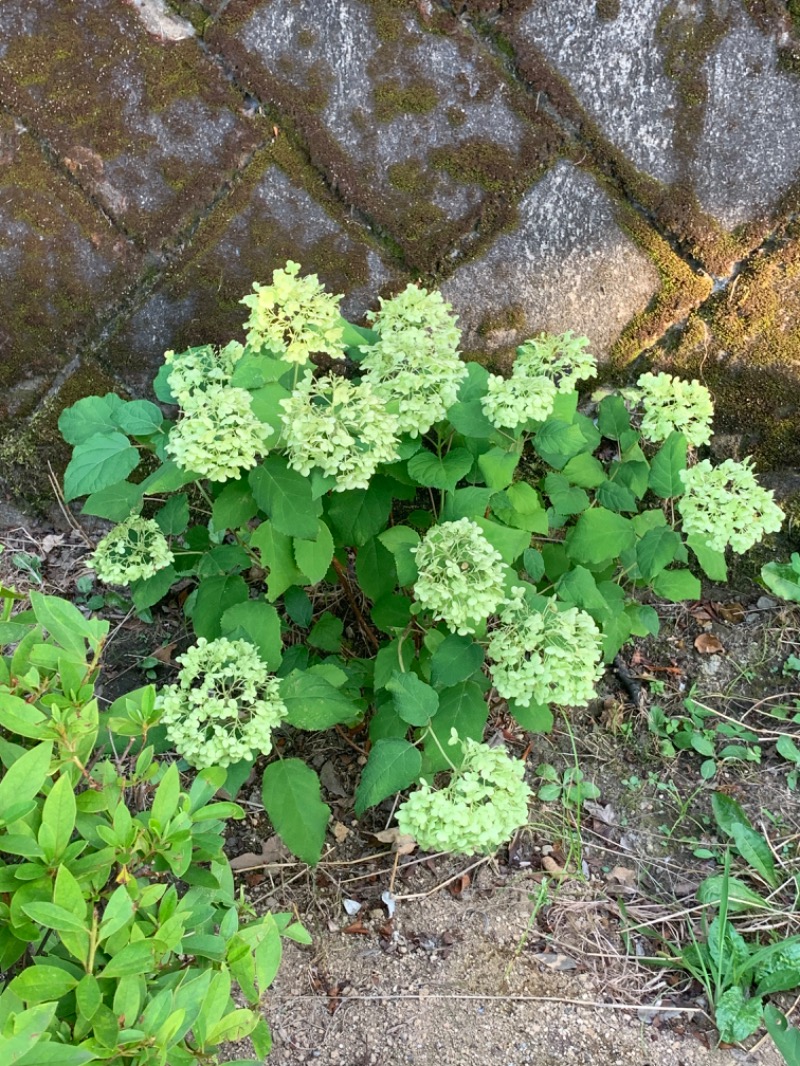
393	97
607	10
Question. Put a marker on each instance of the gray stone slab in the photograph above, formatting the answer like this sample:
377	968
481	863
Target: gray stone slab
567	265
659	69
145	122
269	219
415	127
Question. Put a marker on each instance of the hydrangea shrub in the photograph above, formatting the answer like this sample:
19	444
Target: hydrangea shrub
368	532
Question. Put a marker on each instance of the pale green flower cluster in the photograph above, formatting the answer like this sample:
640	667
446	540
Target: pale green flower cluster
485	802
726	505
545	656
225	705
673	404
198	371
543	367
461	576
294	317
340	427
218	435
415	362
134	549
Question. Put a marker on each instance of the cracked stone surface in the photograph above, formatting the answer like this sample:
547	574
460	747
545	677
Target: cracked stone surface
567	265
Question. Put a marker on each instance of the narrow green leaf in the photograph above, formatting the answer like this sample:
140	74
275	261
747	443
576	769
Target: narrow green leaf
42	984
58	818
666	467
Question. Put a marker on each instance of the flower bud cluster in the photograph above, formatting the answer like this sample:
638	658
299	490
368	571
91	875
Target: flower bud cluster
198	371
485	802
673	404
415	361
133	550
461	576
726	505
543	367
547	656
294	317
225	705
218	435
340	427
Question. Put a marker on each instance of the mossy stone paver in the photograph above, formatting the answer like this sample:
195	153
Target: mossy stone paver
567	265
416	127
148	126
270	217
62	265
690	103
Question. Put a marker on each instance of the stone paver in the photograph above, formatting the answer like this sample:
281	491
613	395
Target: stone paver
416	128
147	125
61	266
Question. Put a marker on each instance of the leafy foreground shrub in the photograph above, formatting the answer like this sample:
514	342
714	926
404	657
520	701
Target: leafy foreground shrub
121	937
468	520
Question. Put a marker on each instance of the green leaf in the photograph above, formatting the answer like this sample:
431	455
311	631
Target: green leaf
468	419
740	897
51	916
466	503
783	579
116	503
135	958
119	911
88	996
266	405
173	517
786	1038
166	478
375	568
599	537
291	795
313	702
566	499
754	849
533	561
616	497
414	701
257	622
585	471
98	462
736	1017
613	419
214	596
42	984
88	417
456	659
313	557
138	418
462	707
285	496
393	764
23	780
712	561
399	540
298	606
252	370
437	472
498	467
234	507
728	813
58	819
147	591
520	506
232	1027
511	543
65	623
391	613
557	442
277	557
666	467
358	514
656	550
327	633
677	585
536	717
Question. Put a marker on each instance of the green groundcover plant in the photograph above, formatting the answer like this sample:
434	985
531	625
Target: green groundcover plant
371	530
122	938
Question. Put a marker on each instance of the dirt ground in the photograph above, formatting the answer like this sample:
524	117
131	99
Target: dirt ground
534	956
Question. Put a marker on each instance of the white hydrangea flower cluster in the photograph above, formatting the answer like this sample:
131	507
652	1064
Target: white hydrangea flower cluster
545	656
201	370
543	367
294	317
225	705
485	802
726	505
218	435
134	549
461	576
339	426
673	404
416	361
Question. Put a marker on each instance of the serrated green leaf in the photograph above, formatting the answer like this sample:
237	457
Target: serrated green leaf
173	517
498	467
291	795
565	498
400	540
468	419
277	557
462	707
414	700
313	557
666	467
234	507
285	496
138	418
393	764
440	472
613	419
511	543
677	585
88	417
375	568
96	463
145	592
599	536
656	550
358	514
713	562
116	503
214	596
257	622
456	659
327	633
313	702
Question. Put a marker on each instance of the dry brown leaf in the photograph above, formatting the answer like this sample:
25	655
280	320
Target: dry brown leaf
455	888
164	654
731	612
708	644
402	843
52	540
550	864
623	874
555	961
340	832
273	850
